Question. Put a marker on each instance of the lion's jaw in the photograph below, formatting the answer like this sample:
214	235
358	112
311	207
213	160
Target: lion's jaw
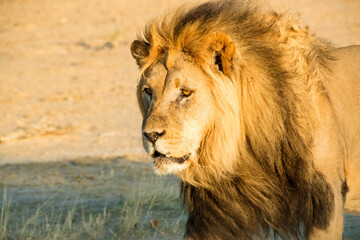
176	112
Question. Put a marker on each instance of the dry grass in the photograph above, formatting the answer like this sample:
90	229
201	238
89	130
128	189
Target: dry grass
89	199
95	199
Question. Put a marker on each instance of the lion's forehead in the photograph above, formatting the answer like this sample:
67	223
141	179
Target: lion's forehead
181	69
158	77
155	75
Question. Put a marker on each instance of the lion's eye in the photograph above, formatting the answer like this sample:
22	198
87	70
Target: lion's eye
148	91
186	93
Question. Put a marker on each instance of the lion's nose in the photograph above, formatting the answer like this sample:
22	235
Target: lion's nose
153	136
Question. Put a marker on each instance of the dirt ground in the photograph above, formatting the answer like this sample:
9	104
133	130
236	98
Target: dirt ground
67	79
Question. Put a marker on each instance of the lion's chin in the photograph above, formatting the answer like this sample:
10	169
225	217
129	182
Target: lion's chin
169	165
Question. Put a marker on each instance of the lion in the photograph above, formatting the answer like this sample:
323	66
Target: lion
258	118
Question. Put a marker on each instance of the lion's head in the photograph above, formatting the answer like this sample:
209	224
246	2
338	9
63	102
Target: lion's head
175	100
185	95
218	87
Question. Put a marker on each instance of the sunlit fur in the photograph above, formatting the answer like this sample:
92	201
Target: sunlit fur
275	59
254	169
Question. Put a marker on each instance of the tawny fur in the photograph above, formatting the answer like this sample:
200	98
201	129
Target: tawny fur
258	168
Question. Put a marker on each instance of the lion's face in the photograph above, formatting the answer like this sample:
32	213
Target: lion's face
181	89
177	109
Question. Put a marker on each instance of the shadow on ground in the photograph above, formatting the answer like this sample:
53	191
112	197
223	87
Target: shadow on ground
89	199
97	199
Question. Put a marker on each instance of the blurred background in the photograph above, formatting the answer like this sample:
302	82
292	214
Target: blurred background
67	92
67	78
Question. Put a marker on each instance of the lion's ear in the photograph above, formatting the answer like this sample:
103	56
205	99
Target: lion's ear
222	49
139	50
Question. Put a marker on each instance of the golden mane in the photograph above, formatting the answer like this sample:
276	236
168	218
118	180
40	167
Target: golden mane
260	145
276	68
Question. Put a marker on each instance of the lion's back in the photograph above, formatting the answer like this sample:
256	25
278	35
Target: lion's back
343	87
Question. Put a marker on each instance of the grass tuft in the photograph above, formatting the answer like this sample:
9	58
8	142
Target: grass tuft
129	202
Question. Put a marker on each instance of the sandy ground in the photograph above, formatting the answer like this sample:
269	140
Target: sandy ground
67	79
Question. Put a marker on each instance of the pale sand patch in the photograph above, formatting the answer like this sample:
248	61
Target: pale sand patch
67	79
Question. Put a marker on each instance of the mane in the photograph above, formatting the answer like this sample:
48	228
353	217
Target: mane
255	167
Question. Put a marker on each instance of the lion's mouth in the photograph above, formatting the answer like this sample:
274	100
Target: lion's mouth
180	160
